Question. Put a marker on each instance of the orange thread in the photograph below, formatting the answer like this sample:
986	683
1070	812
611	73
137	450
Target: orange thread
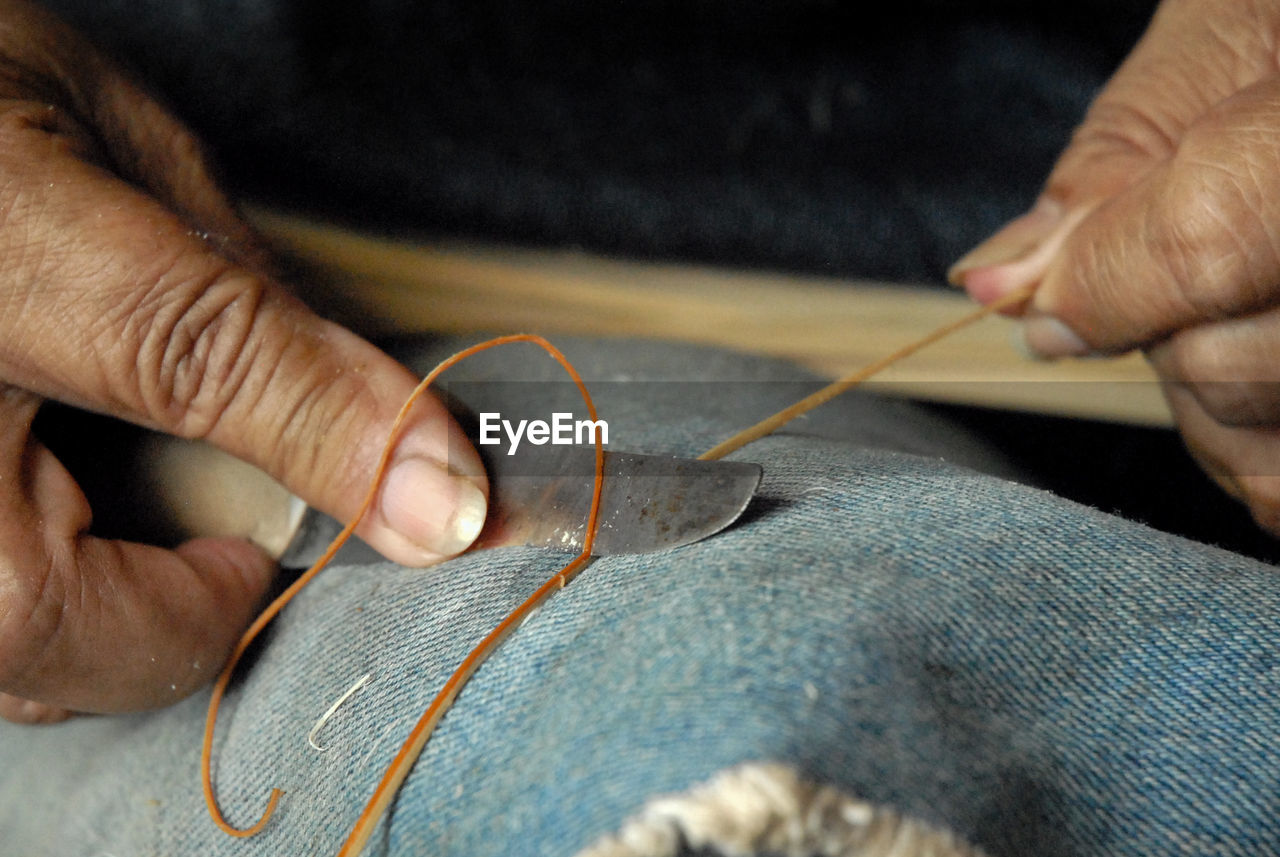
771	424
417	739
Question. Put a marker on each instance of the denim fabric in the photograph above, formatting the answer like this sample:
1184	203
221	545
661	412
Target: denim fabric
1040	677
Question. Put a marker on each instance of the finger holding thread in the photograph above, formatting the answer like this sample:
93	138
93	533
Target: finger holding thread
422	731
370	496
1192	57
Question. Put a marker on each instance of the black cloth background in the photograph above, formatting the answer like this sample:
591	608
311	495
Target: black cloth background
873	139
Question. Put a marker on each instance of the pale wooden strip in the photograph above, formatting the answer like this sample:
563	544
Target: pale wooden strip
826	324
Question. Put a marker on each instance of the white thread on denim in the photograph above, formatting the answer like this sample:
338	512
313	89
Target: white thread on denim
766	808
324	718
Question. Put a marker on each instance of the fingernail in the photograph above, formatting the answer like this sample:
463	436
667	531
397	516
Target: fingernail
1012	241
437	511
1047	337
1017	241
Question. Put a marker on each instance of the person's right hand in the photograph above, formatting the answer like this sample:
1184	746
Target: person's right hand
1159	229
129	286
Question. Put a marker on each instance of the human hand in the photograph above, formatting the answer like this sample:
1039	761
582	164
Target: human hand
129	286
1159	229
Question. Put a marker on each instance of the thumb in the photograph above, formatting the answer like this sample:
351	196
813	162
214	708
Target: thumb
1192	241
314	405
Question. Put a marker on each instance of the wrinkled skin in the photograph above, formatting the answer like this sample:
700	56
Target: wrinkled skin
1159	229
129	286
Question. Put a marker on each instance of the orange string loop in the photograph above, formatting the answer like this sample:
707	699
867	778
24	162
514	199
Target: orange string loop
404	760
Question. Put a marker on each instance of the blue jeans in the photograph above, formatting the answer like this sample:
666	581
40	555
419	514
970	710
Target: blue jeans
1036	676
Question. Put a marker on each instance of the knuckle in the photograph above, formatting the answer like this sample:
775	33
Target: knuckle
177	152
1185	237
224	359
1201	363
1209	226
197	341
1098	266
185	148
221	356
1116	127
1109	150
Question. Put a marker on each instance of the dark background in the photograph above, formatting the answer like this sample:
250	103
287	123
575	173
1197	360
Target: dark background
875	139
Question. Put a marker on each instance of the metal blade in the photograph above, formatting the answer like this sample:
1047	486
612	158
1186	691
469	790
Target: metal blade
648	503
